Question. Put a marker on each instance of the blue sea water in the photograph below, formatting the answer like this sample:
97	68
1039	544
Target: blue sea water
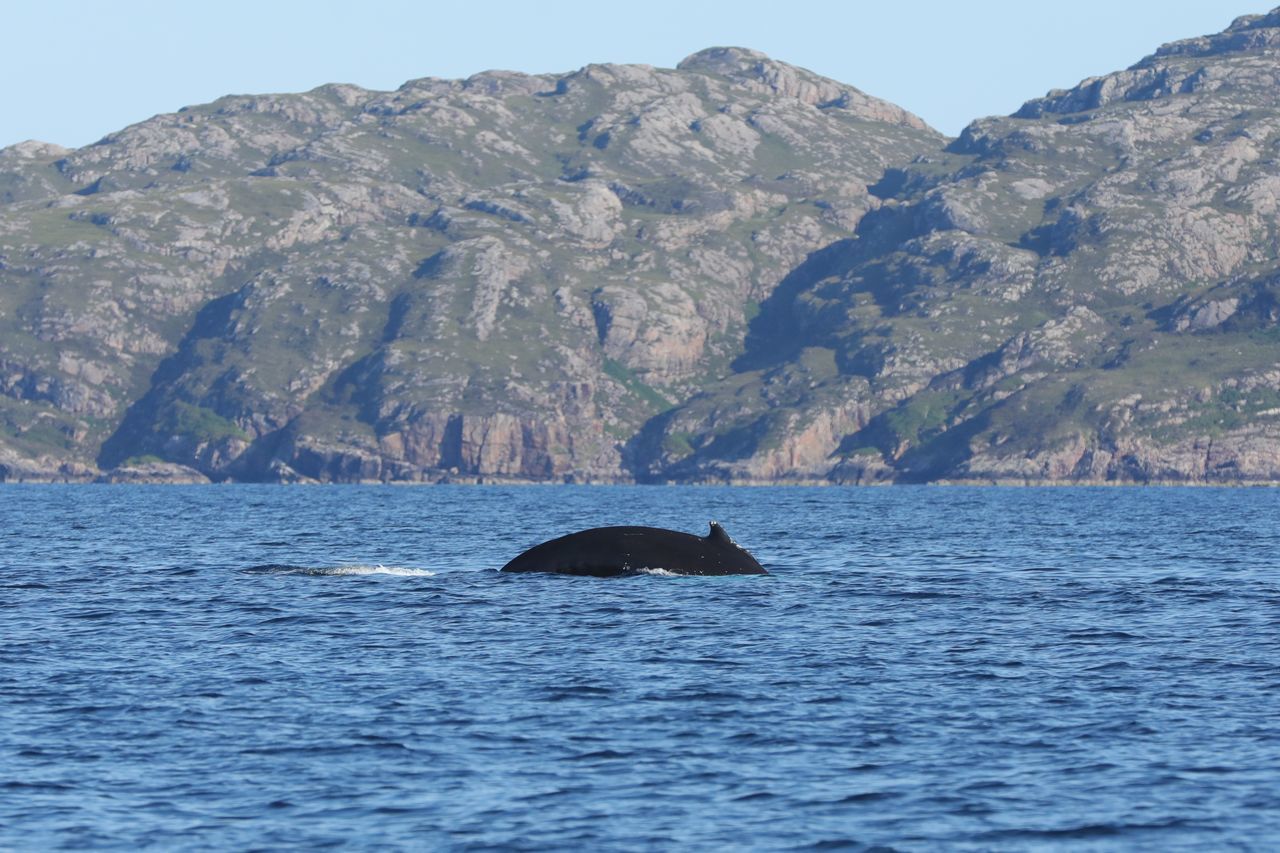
924	668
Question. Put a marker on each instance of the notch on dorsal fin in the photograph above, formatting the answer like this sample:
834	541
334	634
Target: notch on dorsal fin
717	534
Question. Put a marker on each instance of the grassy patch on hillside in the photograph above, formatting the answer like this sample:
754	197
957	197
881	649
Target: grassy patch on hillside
620	373
677	444
197	423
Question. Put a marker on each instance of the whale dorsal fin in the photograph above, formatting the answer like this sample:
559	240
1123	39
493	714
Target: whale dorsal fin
717	534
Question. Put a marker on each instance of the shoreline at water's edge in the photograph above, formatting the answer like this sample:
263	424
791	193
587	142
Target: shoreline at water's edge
481	482
168	473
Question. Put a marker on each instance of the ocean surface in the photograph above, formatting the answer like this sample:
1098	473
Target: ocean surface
925	668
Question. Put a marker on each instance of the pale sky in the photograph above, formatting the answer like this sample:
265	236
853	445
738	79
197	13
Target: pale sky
72	71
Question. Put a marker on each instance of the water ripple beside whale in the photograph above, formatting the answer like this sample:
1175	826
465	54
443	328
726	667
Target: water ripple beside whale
338	571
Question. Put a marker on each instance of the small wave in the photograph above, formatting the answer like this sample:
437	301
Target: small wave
1089	831
658	573
400	571
339	571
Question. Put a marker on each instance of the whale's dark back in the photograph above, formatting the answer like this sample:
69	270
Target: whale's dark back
609	551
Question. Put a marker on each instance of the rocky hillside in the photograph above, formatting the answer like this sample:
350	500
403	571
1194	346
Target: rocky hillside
1088	290
501	277
730	271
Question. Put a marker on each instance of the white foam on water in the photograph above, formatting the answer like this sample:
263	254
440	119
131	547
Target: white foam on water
399	571
658	573
340	571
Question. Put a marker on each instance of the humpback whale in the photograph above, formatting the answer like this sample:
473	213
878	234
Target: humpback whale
609	551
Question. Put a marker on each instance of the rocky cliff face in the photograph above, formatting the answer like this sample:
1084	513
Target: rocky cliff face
501	277
1083	291
730	271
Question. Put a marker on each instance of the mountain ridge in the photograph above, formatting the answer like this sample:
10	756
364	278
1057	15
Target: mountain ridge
212	244
731	271
1082	233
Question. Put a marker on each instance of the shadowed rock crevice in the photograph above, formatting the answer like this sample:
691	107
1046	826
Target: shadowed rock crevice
776	333
165	416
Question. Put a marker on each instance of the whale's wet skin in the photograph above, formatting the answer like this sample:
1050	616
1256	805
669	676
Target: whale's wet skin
612	551
924	668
